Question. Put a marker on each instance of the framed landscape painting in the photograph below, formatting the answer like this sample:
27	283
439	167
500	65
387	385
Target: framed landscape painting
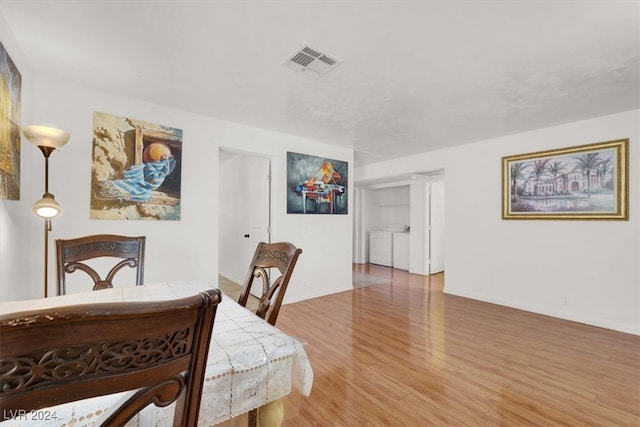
581	182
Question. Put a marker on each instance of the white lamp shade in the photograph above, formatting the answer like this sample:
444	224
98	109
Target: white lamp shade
44	136
47	207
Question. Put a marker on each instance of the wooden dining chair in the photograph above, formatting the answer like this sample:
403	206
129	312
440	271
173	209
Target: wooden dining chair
156	350
273	265
72	254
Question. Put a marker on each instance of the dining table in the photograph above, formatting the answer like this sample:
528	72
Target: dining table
250	362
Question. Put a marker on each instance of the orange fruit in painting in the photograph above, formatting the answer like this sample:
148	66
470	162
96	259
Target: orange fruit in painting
156	152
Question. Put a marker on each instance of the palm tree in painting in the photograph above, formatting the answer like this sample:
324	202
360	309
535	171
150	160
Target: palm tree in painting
517	172
555	169
587	164
539	169
605	167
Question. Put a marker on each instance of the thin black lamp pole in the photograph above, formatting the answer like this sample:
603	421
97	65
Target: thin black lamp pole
47	221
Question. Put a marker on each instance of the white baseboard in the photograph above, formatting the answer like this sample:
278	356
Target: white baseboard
601	323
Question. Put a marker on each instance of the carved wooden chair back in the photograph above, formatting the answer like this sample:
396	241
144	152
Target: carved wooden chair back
273	264
71	254
58	355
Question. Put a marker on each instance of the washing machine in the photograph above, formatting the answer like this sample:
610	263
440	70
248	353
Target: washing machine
401	250
381	247
381	244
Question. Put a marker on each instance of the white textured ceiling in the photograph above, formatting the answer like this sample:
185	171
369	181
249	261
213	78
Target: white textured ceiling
416	75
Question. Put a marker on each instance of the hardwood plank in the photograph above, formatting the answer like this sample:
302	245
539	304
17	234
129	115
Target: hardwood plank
405	353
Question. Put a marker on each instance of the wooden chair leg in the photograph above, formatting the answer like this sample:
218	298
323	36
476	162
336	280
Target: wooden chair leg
253	418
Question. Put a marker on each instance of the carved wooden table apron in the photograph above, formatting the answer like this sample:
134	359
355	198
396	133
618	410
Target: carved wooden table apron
251	363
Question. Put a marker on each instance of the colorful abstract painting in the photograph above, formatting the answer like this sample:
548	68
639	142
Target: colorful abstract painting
10	117
136	170
316	185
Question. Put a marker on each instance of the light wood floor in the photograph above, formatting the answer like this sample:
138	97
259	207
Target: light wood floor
232	290
406	354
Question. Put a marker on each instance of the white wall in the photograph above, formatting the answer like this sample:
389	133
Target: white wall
185	249
360	240
419	237
535	265
388	206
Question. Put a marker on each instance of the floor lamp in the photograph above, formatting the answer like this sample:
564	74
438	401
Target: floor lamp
47	140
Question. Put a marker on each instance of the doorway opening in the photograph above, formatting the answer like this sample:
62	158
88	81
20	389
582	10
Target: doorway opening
416	199
244	188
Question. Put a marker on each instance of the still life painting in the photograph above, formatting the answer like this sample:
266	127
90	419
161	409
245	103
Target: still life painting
582	182
136	169
10	115
316	185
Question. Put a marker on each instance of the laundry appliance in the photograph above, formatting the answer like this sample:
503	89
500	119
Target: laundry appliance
381	249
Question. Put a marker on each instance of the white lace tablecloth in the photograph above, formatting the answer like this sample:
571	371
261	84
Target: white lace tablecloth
250	362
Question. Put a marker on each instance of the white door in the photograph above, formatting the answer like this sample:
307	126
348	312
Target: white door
244	213
436	227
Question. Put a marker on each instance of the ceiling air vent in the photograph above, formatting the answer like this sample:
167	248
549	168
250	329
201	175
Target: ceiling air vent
311	62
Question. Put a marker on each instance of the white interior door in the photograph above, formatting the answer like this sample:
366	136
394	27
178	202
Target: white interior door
245	207
436	227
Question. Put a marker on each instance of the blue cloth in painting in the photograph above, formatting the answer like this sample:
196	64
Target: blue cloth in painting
137	182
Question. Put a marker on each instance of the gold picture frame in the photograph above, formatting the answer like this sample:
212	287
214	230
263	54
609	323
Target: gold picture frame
584	182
